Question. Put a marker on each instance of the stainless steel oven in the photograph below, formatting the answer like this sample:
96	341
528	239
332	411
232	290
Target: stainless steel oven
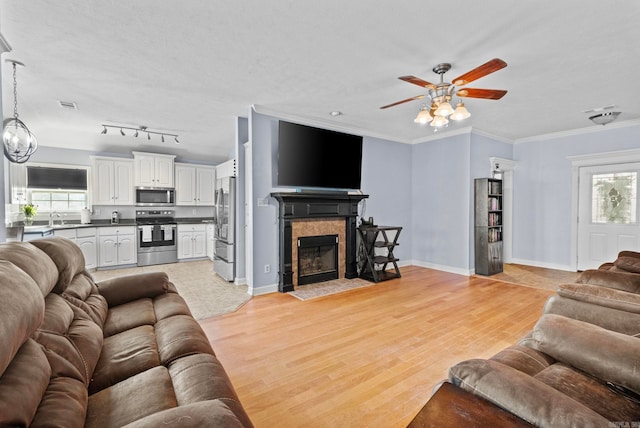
155	196
157	237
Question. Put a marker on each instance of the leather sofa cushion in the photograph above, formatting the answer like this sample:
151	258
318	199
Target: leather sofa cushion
22	385
67	257
71	340
22	310
523	395
128	316
124	355
522	358
605	354
214	413
629	264
83	294
180	336
134	398
64	404
33	261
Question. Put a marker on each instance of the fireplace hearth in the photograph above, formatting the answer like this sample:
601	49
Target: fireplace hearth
317	259
307	210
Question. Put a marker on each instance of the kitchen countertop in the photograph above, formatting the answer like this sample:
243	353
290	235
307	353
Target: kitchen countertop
43	227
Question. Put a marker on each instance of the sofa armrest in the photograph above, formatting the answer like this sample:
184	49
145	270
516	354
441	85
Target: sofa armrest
605	354
212	413
128	288
619	280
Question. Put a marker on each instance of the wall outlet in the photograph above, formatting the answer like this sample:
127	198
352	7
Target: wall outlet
267	268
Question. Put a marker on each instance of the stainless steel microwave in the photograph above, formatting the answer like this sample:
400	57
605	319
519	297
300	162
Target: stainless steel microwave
155	196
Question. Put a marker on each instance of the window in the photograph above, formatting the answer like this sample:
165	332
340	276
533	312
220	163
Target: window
614	198
59	200
55	188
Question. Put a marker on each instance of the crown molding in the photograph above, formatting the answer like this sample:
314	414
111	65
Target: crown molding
580	131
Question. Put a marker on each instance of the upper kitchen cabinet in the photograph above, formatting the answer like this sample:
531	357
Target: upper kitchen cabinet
153	170
194	185
112	181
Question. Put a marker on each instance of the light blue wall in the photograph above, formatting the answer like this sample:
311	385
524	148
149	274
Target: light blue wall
542	191
386	178
440	202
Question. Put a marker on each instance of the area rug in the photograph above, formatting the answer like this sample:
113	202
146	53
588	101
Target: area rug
321	289
207	295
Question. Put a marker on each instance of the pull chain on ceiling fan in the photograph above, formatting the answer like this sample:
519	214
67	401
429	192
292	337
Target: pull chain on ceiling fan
439	110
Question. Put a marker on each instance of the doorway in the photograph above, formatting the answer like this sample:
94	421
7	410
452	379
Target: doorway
607	213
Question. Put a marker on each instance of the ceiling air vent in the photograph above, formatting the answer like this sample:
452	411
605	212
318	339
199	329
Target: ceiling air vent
68	105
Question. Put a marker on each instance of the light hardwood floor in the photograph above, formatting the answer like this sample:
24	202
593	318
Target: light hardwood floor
368	357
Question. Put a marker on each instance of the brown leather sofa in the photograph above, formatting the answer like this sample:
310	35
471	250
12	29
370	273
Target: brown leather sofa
580	365
122	352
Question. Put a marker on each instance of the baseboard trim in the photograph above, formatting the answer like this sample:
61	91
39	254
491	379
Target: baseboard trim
266	289
444	268
545	265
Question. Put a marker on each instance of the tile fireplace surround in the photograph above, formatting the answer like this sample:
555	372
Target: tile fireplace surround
310	214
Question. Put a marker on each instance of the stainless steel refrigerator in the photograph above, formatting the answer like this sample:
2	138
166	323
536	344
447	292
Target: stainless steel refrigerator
224	248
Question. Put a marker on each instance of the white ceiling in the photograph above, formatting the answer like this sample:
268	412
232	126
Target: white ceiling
190	67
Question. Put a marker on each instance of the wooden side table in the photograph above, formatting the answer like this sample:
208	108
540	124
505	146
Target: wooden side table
453	407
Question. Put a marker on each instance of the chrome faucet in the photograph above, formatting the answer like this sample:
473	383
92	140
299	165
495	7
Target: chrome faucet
52	220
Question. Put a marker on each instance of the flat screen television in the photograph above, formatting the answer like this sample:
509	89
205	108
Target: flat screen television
311	157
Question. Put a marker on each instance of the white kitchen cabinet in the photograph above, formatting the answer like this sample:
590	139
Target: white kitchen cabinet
192	241
153	170
112	181
116	246
210	243
85	238
194	185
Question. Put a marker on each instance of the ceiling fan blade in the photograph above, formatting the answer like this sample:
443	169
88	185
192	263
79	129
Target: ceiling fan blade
480	71
490	94
417	81
417	97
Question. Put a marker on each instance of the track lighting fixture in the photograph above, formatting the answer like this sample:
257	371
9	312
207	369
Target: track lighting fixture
138	130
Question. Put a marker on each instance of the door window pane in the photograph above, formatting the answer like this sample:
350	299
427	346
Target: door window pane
614	198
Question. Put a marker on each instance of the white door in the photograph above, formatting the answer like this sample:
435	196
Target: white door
163	172
127	249
608	213
108	251
199	244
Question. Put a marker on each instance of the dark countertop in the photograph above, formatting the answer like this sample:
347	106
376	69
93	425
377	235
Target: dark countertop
43	226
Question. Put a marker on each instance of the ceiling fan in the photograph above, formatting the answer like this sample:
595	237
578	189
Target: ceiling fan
439	109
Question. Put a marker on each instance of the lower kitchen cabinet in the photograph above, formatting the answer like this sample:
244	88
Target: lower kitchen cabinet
192	241
85	238
116	246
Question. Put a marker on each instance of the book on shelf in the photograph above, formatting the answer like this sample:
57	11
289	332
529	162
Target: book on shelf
495	187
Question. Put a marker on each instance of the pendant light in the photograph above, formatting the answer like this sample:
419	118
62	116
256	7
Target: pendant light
19	143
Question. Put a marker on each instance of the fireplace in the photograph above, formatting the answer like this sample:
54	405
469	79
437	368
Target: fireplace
317	259
314	214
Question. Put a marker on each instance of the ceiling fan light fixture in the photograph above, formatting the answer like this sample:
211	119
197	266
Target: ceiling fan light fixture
605	118
423	116
439	121
444	109
460	113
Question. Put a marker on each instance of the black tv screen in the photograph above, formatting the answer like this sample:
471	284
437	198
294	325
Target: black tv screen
319	158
